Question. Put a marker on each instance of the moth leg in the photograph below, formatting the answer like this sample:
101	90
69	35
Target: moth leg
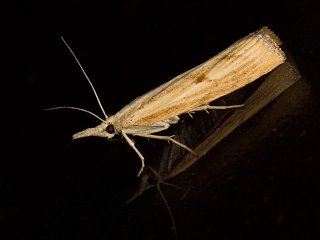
168	138
206	107
131	143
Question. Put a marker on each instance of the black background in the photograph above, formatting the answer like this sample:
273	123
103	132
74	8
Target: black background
56	188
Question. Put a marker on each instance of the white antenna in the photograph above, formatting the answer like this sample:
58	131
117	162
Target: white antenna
76	108
86	76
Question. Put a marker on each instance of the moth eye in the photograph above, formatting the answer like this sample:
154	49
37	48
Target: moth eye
110	129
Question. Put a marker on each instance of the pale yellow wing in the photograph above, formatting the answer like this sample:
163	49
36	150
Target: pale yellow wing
243	62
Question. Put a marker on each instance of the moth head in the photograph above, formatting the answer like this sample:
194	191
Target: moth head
105	129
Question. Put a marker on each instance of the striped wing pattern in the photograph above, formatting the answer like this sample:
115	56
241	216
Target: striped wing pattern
243	62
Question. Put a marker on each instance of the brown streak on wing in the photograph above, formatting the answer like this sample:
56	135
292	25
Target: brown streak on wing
241	63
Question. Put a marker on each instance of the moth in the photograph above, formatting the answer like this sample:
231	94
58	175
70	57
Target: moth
243	62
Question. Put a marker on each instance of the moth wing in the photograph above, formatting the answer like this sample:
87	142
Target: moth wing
243	62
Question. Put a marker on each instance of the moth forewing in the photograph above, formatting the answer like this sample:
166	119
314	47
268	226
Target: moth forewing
241	63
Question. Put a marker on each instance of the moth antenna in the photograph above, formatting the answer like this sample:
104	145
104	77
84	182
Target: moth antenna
86	76
75	108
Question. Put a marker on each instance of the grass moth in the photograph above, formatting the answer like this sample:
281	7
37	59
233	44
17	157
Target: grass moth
243	62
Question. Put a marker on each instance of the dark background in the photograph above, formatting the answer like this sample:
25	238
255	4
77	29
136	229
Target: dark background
55	188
